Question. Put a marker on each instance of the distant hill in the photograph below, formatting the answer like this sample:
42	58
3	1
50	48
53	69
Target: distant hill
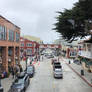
33	38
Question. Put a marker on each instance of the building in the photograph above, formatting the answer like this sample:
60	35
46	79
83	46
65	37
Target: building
28	48
71	52
85	54
33	38
9	44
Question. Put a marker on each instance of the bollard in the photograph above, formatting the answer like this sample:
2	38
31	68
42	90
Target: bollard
82	72
69	62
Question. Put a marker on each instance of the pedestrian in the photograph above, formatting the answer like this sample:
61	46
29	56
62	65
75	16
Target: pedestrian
42	58
39	58
16	71
12	72
21	70
58	59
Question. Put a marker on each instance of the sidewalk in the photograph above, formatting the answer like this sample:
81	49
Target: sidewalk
77	69
6	83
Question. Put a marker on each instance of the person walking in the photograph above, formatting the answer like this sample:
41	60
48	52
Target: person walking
12	72
42	57
21	70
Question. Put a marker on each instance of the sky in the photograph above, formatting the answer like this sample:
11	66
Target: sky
35	17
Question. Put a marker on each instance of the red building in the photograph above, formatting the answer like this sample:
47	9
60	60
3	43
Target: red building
71	52
28	48
9	44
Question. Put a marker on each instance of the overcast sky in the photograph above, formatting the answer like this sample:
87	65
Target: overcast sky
35	17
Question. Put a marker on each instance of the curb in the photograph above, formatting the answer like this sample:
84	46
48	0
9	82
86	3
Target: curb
79	74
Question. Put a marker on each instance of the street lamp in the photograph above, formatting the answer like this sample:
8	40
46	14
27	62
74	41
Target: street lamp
26	63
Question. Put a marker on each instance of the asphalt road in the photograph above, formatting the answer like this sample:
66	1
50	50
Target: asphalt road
43	81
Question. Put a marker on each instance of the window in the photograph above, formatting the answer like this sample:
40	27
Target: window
17	37
22	44
89	47
2	33
29	51
11	35
73	53
29	45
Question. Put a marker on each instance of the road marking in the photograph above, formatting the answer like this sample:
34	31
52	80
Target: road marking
53	85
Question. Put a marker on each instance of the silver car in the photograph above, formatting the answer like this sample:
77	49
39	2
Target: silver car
58	73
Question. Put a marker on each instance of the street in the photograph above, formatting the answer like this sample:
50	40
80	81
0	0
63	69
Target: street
43	81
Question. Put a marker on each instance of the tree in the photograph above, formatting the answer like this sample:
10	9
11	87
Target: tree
73	23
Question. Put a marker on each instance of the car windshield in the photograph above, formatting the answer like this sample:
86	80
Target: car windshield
58	70
29	70
19	81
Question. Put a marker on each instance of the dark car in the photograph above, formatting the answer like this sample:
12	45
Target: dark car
50	56
21	83
30	70
1	88
76	61
57	65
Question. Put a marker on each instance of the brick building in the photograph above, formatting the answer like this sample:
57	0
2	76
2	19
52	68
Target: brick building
30	48
9	44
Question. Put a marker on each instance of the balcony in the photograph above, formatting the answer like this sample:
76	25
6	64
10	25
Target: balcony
87	54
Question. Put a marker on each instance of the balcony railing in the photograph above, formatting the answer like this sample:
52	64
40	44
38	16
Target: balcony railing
87	54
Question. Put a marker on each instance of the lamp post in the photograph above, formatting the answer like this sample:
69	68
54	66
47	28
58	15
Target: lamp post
26	62
25	54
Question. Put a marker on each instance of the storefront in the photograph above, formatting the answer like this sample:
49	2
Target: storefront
86	64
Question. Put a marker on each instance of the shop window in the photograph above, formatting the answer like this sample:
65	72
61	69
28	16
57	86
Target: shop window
73	53
89	47
29	51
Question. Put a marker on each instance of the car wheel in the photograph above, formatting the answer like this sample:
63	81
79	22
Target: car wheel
28	82
23	90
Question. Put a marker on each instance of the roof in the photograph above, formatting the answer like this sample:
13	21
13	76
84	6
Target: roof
9	22
32	38
88	41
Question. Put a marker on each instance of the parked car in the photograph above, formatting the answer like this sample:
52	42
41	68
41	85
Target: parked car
56	63
58	73
76	61
1	88
30	70
50	56
57	67
21	83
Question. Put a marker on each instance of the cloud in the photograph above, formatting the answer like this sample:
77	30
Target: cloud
35	17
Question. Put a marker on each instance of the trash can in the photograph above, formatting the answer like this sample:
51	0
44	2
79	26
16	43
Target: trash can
69	62
82	72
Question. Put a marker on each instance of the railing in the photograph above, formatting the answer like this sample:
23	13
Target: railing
86	54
